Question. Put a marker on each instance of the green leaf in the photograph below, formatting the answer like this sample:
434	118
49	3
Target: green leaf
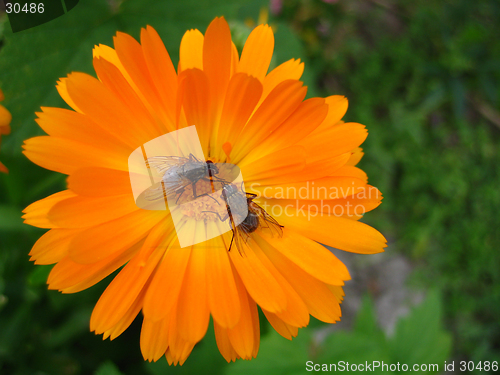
366	322
40	274
420	337
10	218
288	46
108	368
277	356
76	323
31	62
366	342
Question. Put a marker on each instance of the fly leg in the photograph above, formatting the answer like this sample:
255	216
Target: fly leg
231	244
220	218
212	178
208	195
192	157
195	196
179	196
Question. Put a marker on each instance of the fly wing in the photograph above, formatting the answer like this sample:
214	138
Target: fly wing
163	163
240	238
154	192
162	190
266	221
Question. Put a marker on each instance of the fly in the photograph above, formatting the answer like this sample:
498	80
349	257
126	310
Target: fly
178	173
238	205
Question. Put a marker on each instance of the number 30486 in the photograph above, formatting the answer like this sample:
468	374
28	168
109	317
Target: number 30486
26	8
481	366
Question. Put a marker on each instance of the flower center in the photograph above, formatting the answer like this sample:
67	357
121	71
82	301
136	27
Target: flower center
204	207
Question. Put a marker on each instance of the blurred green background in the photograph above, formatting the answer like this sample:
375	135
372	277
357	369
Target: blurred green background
423	76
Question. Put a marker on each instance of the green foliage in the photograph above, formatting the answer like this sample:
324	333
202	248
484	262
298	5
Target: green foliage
108	368
419	339
423	77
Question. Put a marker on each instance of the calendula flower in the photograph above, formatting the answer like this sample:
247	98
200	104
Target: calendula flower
5	118
296	155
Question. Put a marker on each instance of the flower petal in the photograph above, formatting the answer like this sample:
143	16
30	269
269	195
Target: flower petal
243	93
275	109
310	172
62	89
290	160
193	313
333	141
154	338
101	241
258	281
356	156
350	171
36	213
337	232
224	344
84	212
63	123
120	295
100	182
291	69
127	319
296	312
257	52
307	117
131	55
109	54
350	206
162	72
191	51
3	168
5	119
315	294
235	59
194	94
114	80
108	111
178	348
286	330
221	288
52	246
70	277
323	188
217	59
312	257
245	336
337	108
165	287
65	156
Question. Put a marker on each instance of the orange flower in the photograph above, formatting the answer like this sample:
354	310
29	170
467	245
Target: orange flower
296	155
5	119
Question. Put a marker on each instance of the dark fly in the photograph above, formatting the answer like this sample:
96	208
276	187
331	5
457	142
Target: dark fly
178	173
239	204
